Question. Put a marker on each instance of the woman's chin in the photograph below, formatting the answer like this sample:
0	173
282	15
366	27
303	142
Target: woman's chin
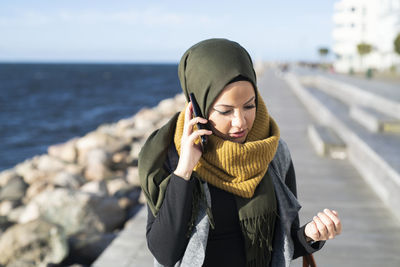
240	140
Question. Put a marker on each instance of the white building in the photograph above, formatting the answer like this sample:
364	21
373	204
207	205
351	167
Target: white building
375	22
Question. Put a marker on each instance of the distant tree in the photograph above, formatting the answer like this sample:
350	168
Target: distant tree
397	44
363	49
323	51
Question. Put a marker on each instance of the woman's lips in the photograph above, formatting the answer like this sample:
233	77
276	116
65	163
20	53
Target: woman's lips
238	134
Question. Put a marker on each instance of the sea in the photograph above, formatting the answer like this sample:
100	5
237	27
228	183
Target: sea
46	104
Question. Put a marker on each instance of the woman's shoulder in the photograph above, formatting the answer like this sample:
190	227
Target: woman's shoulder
282	152
282	158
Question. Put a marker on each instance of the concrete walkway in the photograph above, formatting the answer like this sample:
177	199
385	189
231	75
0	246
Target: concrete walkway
387	89
371	234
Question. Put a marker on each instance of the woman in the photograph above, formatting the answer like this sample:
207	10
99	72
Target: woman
235	203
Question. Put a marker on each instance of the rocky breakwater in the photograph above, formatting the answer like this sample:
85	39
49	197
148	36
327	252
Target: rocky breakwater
65	207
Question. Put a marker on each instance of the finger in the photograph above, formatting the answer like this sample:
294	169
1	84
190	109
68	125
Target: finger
193	122
334	217
329	224
188	116
189	122
312	231
196	120
321	228
198	133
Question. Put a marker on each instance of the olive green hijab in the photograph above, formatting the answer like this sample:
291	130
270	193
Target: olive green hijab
205	69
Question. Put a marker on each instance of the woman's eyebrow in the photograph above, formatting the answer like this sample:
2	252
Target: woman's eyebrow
229	106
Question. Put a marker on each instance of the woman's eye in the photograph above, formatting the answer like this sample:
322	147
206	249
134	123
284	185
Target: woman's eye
224	112
250	106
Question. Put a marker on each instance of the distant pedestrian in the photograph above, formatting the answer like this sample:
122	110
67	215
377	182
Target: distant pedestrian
232	203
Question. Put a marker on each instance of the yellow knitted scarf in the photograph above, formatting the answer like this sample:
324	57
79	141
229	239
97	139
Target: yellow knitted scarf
235	167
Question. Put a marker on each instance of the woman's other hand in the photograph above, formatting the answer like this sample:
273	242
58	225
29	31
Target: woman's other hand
326	225
190	152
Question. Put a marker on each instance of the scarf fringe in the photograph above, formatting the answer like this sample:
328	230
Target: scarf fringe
258	234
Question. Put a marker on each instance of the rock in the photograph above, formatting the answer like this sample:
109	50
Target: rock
15	214
4	224
74	169
6	176
98	172
36	243
145	119
135	149
124	124
108	128
35	175
95	140
134	134
98	156
7	206
121	160
180	101
14	189
66	151
50	164
25	167
31	212
95	187
86	249
115	185
125	203
98	162
132	176
119	157
167	107
76	211
22	263
68	180
36	188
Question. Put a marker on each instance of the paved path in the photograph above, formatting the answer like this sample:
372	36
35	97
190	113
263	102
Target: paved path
387	89
371	234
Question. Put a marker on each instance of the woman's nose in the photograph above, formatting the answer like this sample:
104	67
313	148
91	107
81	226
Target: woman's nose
238	120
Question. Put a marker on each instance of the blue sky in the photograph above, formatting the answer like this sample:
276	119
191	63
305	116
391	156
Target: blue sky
160	31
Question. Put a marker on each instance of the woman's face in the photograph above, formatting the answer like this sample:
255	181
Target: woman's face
232	115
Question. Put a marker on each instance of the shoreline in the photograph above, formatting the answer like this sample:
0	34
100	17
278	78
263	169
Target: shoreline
81	192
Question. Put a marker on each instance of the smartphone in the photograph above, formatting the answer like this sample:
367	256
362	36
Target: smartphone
197	113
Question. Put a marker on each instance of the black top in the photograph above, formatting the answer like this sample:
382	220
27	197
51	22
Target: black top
227	233
166	233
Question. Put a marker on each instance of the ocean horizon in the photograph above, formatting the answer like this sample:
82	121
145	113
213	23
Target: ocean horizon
47	103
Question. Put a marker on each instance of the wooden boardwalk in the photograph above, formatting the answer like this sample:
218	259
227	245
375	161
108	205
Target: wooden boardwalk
371	233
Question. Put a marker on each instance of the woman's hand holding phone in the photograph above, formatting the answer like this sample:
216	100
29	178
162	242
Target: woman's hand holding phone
190	151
